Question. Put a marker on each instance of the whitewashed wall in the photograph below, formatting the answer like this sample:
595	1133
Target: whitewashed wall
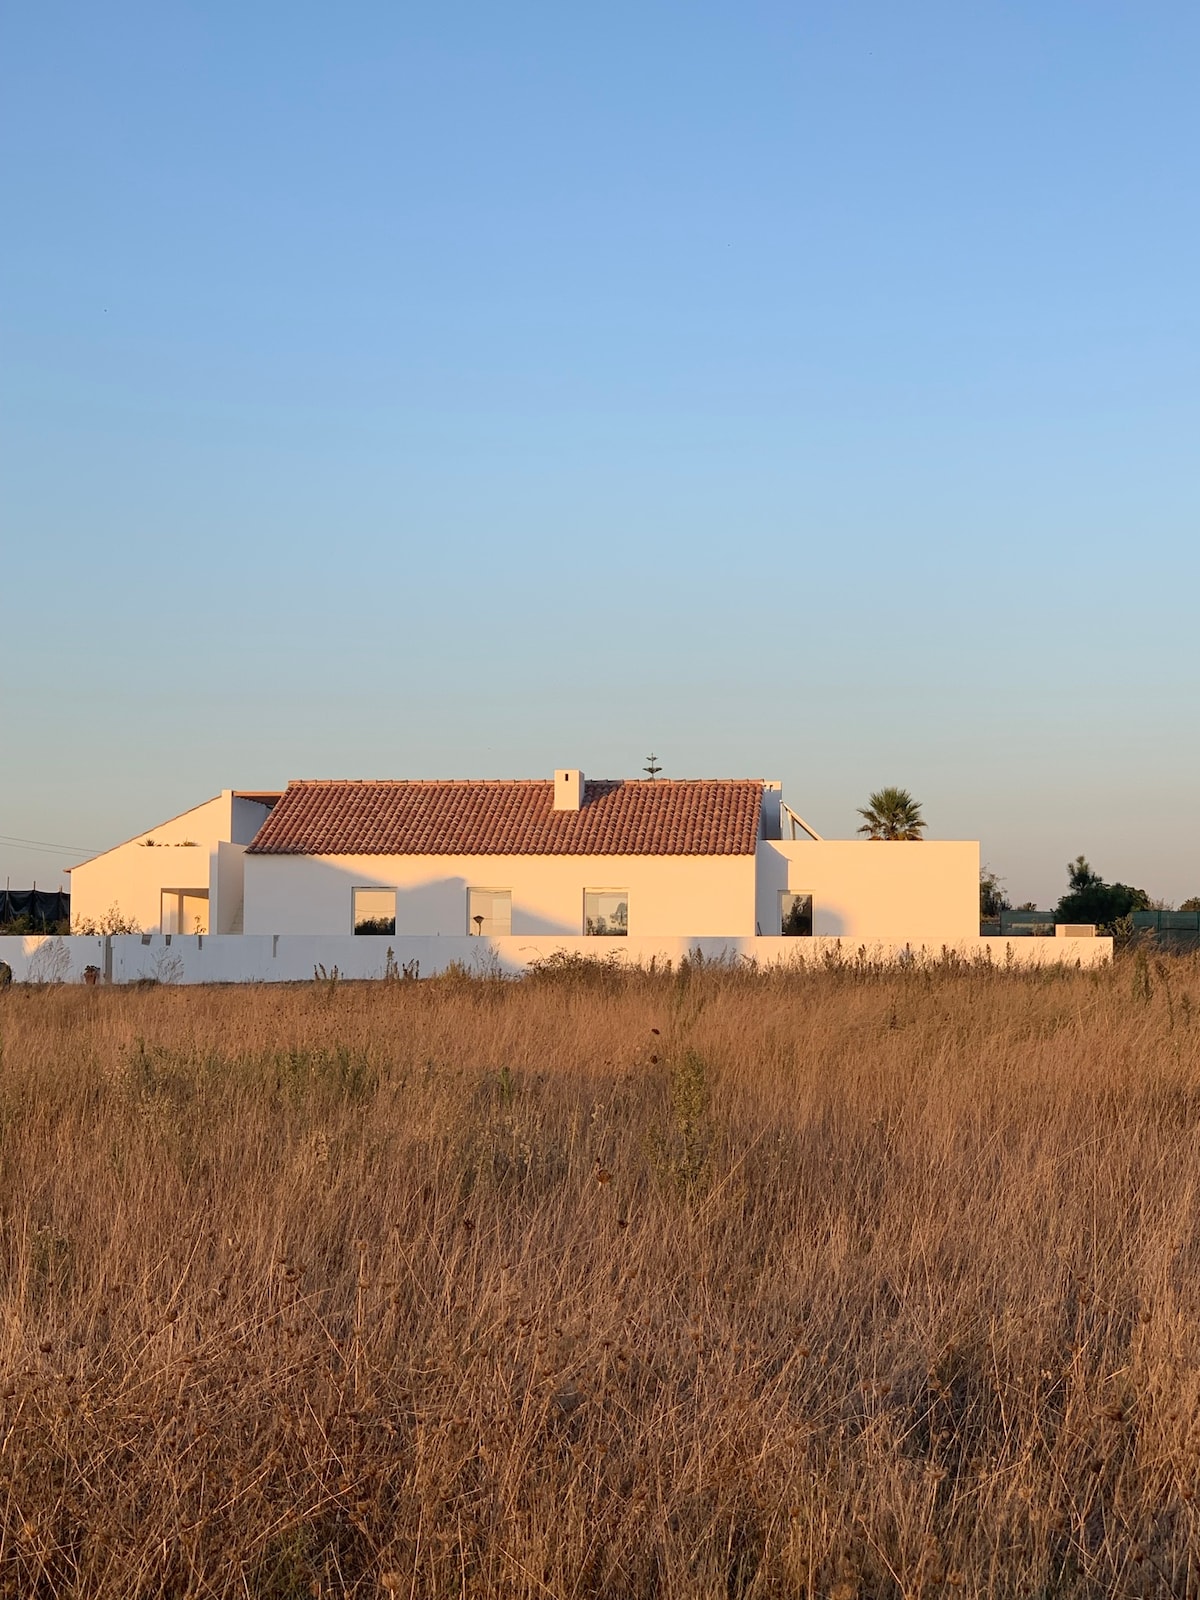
861	890
267	958
685	896
926	893
227	888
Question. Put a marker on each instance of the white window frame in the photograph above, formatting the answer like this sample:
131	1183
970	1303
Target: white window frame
588	933
482	888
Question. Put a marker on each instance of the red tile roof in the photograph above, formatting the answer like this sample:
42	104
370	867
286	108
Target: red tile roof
664	817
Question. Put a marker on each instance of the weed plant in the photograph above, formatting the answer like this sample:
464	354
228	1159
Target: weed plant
705	1284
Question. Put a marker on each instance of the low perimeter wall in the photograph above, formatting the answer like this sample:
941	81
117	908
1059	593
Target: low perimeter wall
292	958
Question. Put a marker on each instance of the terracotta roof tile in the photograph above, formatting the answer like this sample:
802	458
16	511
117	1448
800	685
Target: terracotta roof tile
699	817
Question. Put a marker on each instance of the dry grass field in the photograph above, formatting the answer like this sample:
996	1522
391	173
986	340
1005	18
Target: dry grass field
704	1285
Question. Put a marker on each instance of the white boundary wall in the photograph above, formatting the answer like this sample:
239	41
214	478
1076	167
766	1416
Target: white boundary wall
292	958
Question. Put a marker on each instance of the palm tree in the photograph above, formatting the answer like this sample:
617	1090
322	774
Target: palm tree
892	814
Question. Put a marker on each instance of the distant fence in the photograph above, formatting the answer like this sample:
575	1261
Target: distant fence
1026	924
1177	931
292	958
40	910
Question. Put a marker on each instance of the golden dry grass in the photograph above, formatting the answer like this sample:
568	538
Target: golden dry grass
703	1286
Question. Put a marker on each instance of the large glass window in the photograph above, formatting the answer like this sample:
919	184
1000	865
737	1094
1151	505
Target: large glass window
489	912
795	916
606	913
374	911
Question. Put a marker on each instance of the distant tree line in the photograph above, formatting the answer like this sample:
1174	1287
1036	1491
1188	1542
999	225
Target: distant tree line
1088	898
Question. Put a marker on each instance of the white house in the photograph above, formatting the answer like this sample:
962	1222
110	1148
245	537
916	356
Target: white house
557	857
695	858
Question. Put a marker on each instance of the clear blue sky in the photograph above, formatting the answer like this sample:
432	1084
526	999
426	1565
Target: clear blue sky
805	391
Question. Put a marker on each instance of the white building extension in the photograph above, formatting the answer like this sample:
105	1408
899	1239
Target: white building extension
185	876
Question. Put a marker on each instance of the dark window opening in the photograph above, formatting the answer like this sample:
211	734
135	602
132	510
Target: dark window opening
796	916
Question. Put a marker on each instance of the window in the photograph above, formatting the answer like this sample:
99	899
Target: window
795	916
606	913
489	912
184	911
374	910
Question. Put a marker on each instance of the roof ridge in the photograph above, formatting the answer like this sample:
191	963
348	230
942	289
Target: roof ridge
314	783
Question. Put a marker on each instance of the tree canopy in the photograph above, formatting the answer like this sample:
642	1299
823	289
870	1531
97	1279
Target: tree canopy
1090	899
892	813
992	898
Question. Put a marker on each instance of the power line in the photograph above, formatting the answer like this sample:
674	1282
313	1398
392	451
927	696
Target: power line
35	849
47	844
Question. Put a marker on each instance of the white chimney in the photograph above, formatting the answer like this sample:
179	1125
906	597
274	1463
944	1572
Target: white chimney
568	789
